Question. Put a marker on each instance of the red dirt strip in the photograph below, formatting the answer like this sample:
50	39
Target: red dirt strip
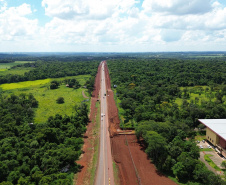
86	159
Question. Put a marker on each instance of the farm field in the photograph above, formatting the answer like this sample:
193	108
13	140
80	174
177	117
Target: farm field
5	68
9	65
47	97
16	71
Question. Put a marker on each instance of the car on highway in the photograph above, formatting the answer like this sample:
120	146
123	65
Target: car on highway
201	146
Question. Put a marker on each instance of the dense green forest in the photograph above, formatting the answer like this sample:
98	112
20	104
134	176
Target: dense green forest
38	153
149	91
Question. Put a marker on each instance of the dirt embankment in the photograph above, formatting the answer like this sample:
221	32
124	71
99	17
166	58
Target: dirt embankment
122	151
88	147
113	117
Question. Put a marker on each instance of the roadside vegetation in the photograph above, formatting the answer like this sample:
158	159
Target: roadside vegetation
41	128
96	144
162	99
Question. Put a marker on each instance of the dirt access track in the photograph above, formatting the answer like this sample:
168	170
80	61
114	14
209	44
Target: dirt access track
127	152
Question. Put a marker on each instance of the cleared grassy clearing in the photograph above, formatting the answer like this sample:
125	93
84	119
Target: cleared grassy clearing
26	84
23	62
47	97
49	107
210	162
7	65
16	71
5	68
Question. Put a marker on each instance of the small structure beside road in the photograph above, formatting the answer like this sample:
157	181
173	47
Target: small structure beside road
216	133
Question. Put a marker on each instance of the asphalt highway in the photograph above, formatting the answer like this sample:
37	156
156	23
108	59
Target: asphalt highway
104	175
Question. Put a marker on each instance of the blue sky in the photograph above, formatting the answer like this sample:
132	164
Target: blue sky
112	26
36	6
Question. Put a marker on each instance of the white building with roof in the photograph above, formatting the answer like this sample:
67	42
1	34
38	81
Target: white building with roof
216	133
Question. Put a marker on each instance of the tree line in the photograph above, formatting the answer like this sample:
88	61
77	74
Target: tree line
55	69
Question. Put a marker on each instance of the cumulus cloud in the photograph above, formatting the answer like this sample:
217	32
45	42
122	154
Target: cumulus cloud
13	22
177	7
85	9
120	24
214	19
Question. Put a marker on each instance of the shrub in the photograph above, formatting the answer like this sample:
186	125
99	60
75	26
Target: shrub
60	100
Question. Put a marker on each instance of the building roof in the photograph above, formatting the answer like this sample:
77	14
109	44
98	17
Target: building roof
216	125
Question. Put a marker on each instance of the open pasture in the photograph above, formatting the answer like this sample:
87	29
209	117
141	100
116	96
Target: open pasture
7	65
5	68
25	84
47	97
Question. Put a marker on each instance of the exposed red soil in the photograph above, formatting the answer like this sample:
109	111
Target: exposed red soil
120	151
87	157
113	118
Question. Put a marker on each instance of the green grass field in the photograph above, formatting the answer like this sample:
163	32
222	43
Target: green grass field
25	84
47	97
7	65
16	71
23	62
5	68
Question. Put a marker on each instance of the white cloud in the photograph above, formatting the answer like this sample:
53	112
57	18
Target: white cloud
177	7
17	31
85	9
119	25
13	23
